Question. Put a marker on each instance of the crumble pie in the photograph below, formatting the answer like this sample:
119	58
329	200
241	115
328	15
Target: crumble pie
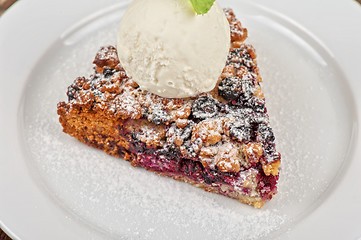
220	141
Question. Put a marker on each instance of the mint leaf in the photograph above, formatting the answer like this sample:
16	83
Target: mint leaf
202	6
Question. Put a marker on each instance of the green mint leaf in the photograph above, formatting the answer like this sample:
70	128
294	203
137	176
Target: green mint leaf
202	6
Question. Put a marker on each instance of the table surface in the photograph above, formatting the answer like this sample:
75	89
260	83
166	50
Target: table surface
5	4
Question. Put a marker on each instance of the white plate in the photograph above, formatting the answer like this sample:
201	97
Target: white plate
56	188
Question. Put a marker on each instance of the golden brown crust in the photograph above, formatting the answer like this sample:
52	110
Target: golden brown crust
256	202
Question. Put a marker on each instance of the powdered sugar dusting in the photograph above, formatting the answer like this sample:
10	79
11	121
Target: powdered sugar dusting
126	202
115	196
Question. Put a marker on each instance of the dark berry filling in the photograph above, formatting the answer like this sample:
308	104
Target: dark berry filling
168	161
204	107
230	88
157	116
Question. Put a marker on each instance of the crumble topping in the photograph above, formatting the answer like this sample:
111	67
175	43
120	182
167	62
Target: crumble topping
227	128
238	33
248	180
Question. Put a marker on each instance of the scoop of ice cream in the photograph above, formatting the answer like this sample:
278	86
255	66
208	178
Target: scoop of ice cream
171	51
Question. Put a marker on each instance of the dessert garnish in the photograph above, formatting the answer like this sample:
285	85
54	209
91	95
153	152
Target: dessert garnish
202	6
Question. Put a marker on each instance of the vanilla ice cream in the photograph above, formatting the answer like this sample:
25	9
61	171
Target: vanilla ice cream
171	51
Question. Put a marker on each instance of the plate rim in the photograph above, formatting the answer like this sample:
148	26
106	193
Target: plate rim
21	5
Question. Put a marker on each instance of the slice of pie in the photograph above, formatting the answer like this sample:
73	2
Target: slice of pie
220	141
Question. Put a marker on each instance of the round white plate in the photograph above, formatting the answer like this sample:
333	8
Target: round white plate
53	187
